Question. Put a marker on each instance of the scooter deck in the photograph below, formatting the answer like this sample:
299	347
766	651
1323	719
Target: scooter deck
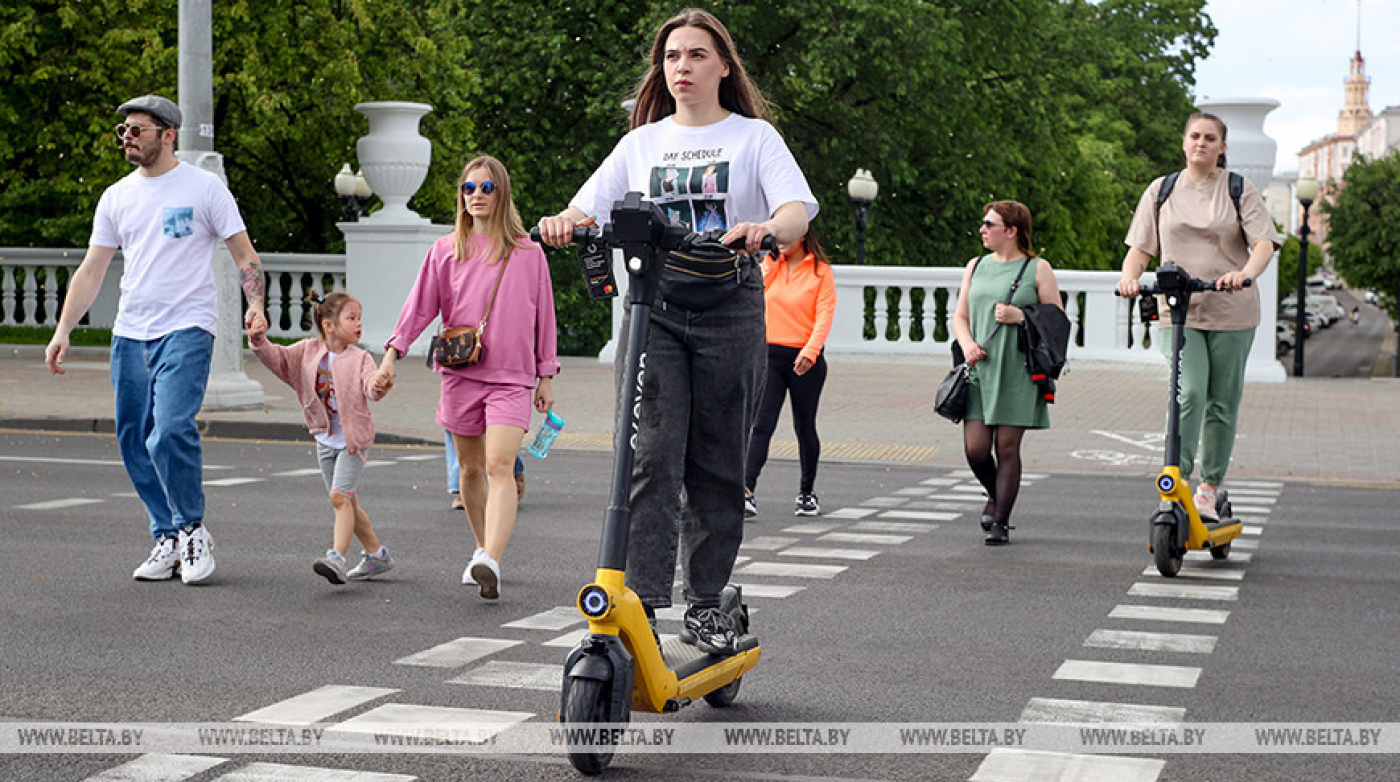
686	660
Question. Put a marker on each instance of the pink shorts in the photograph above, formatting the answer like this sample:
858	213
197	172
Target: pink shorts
468	406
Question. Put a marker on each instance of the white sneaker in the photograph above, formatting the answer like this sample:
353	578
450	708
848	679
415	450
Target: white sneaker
487	573
467	574
196	549
162	564
1205	506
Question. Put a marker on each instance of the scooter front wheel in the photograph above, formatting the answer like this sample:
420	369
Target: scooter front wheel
725	695
586	707
1164	551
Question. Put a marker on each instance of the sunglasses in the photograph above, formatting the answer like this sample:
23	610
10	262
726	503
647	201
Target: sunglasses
989	224
487	187
123	129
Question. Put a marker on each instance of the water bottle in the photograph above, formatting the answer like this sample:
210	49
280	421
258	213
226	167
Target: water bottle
546	434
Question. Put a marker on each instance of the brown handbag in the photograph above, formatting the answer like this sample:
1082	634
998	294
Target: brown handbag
460	346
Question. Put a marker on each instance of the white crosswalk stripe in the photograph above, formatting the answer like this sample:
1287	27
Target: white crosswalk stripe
72	502
1151	642
556	618
1185	591
158	768
1024	765
850	513
811	528
284	772
919	515
457	653
1058	710
829	553
316	705
1207	616
866	539
892	526
790	570
1179	676
504	673
1220	573
768	543
408	719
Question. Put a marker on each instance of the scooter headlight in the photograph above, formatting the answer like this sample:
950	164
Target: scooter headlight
1165	484
594	602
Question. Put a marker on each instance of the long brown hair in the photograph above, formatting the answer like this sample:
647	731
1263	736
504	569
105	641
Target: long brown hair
737	92
503	227
1219	123
1015	215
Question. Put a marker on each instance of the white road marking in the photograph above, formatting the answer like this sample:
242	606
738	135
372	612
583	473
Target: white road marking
1055	710
812	528
1025	765
232	481
409	719
1205	616
770	590
283	772
1235	556
892	526
158	768
1185	591
515	675
556	618
1151	642
885	502
912	491
457	653
58	460
790	570
850	513
829	553
858	538
316	705
920	515
1224	574
298	473
72	502
768	542
1179	676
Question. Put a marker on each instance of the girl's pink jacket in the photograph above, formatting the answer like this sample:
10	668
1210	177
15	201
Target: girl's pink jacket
353	376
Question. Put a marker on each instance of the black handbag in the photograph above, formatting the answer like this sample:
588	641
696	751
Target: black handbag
951	400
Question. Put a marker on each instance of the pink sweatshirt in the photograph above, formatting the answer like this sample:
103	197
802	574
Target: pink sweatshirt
520	343
353	376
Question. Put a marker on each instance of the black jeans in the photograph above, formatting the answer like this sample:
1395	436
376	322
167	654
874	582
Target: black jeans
806	393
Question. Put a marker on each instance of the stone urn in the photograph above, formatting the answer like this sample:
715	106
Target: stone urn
394	157
1248	150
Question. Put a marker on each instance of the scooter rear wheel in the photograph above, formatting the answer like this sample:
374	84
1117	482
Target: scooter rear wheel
587	705
1220	552
725	695
1164	551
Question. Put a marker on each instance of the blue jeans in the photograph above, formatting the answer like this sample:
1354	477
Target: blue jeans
159	387
703	377
454	470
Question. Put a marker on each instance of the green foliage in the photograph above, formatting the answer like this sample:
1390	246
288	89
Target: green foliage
1071	106
1364	226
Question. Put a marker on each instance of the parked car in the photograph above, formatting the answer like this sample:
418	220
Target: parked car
1312	318
1285	337
1370	297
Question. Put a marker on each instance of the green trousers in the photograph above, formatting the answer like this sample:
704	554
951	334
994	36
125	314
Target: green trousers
1212	383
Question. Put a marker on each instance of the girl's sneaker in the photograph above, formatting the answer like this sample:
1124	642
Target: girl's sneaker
807	506
1205	505
371	566
331	566
487	574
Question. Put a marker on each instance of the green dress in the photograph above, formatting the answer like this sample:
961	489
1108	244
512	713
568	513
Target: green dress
1001	388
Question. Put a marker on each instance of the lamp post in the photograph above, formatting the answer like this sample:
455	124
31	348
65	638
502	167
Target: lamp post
354	192
1307	193
862	188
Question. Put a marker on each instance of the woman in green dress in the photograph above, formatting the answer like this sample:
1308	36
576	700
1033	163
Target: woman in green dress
1003	402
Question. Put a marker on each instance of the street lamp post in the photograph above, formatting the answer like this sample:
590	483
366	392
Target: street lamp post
1307	193
862	188
354	192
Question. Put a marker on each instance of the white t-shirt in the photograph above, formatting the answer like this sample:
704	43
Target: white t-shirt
334	436
167	228
706	178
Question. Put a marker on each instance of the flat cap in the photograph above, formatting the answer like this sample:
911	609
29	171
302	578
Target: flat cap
162	109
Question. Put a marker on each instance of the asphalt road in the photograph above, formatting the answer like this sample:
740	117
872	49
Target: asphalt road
922	625
1344	350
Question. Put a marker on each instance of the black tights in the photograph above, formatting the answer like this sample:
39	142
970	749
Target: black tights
1000	476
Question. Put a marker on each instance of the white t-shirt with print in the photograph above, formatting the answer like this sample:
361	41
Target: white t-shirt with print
705	178
334	436
167	228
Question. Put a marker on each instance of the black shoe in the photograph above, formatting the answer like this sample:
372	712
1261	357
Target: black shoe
998	534
987	522
806	505
709	629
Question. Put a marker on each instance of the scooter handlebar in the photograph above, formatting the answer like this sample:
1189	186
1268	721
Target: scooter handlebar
582	234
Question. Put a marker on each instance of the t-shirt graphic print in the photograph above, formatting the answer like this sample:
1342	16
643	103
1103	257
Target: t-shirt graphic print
692	196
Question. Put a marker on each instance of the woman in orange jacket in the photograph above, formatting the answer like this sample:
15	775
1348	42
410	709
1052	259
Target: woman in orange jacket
799	296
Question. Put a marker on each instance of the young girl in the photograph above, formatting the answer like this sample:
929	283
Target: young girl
334	381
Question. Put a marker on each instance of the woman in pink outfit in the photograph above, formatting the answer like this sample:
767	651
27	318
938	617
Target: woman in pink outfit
486	271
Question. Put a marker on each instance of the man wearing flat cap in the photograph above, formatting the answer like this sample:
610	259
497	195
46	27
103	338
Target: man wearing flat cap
167	217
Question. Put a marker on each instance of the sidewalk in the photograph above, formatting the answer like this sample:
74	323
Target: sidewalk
1107	419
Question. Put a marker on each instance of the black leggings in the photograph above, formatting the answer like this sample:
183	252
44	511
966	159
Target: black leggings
806	392
999	475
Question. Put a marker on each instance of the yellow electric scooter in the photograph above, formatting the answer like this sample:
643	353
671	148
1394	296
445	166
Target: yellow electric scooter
1176	527
620	666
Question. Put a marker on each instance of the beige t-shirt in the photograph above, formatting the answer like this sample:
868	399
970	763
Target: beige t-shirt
1201	234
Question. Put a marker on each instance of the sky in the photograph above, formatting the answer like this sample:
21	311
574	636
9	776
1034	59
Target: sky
1298	53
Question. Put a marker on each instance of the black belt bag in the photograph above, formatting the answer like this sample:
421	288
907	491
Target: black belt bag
699	279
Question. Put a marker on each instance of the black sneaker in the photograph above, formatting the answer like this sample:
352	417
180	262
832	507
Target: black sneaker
709	629
807	506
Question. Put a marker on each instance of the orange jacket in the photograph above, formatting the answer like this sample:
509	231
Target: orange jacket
800	301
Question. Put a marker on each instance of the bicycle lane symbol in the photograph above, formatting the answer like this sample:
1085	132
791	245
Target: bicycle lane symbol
1150	442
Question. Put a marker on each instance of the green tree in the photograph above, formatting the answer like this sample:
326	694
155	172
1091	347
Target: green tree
1364	227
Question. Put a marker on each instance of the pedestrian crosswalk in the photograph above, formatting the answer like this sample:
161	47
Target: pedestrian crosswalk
1173	617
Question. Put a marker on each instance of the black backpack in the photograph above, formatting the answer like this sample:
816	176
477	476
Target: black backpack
1169	184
